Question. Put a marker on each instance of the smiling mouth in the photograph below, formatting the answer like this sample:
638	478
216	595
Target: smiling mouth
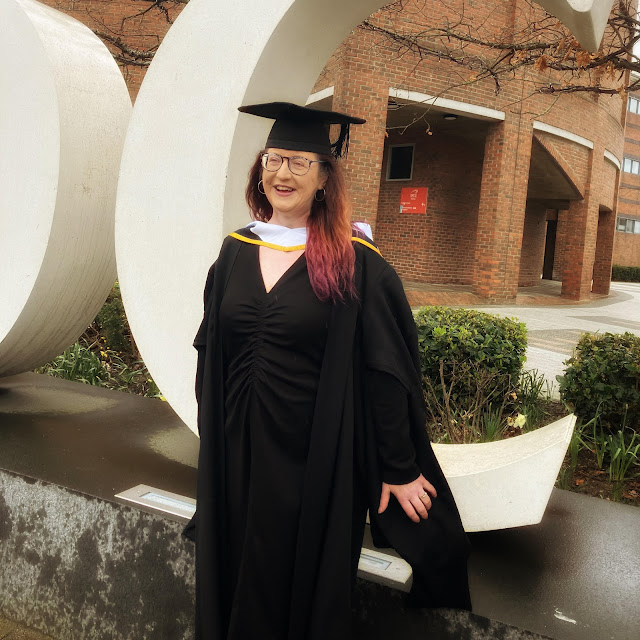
284	189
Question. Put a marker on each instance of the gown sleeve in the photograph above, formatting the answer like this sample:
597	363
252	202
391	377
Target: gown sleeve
436	548
200	341
392	377
390	409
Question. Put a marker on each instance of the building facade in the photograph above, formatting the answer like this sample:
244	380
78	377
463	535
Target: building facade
519	185
626	250
462	184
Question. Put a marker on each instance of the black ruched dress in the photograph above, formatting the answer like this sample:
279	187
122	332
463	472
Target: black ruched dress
273	348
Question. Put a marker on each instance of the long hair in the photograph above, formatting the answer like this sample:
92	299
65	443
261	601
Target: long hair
329	251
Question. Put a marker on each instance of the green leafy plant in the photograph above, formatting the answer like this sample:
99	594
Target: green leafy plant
469	360
492	426
623	454
77	363
461	417
106	355
598	443
603	377
577	444
106	368
534	393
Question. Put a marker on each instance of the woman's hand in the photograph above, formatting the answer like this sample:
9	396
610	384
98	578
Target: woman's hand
414	498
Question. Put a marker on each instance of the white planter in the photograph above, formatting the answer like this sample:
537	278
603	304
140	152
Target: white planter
498	485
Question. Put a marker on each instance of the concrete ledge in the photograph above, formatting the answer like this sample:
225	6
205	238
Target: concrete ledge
75	566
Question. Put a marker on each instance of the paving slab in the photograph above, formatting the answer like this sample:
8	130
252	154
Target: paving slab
575	576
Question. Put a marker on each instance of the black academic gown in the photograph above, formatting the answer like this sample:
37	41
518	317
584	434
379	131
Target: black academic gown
343	472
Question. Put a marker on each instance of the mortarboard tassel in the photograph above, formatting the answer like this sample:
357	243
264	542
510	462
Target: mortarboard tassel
340	147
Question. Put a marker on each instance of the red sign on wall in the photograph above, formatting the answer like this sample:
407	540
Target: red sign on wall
413	200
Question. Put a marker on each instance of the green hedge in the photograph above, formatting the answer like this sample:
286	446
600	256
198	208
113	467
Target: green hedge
625	274
603	378
466	343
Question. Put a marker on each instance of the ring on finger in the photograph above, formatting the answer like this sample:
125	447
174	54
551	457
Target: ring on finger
424	495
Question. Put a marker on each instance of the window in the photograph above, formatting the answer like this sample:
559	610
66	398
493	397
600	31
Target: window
629	165
634	105
628	225
400	164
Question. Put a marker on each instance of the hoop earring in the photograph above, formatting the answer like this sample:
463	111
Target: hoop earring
320	199
261	187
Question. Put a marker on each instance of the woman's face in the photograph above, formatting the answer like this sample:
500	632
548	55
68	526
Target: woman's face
290	195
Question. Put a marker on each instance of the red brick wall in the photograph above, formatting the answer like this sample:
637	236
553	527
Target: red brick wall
580	235
560	256
627	249
573	157
418	246
533	241
361	90
503	196
609	182
437	246
604	249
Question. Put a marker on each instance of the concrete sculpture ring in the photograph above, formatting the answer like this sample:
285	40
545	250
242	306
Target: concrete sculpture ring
63	116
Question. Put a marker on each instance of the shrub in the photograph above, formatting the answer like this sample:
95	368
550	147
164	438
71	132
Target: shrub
602	379
112	322
471	363
465	336
625	274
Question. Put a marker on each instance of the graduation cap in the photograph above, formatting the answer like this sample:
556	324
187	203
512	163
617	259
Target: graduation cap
304	129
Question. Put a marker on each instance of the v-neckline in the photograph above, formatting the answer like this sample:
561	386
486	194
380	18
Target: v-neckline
285	274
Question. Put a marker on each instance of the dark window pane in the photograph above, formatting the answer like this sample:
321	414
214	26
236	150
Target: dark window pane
400	162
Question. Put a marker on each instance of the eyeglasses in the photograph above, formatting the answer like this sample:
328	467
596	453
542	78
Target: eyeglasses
298	165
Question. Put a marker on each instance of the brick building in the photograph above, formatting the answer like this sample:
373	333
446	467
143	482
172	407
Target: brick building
518	184
626	250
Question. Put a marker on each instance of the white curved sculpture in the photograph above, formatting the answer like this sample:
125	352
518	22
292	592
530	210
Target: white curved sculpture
196	150
64	109
586	19
498	485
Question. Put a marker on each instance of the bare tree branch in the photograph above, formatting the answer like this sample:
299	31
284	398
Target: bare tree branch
541	43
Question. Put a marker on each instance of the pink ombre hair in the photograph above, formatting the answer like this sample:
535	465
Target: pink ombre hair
329	251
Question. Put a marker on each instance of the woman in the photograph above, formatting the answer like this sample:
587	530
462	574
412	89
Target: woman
310	409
